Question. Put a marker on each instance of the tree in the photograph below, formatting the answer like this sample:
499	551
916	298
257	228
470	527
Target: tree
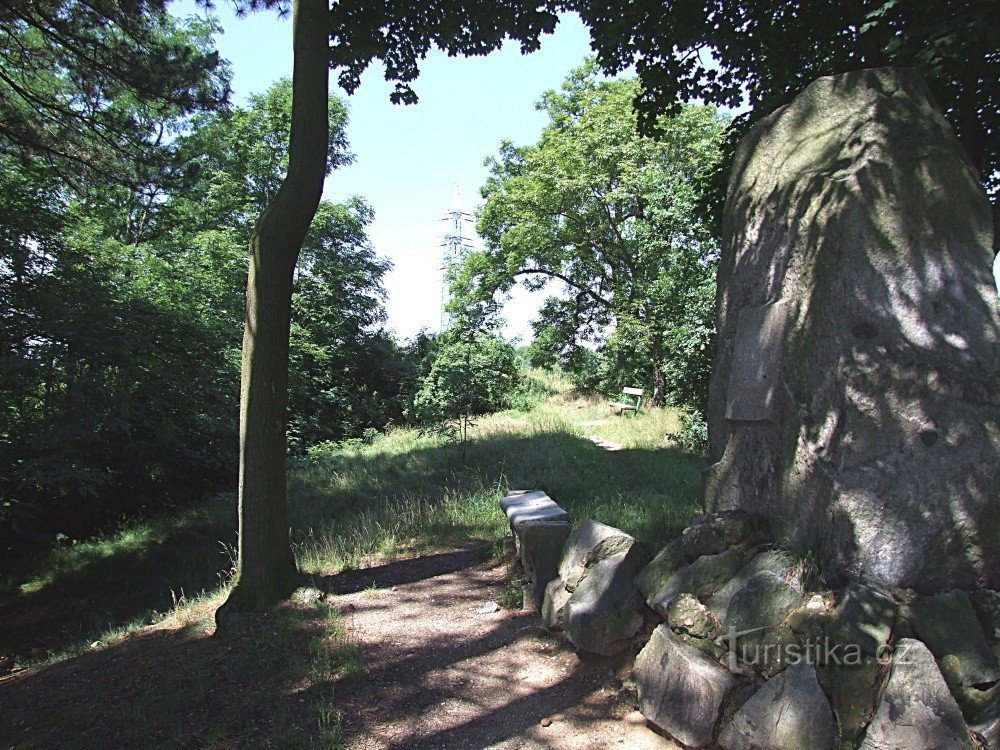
721	52
349	36
470	372
91	86
611	215
110	380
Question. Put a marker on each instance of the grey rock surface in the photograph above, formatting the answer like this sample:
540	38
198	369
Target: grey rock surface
761	605
702	578
855	396
788	712
853	690
541	545
529	507
947	624
779	563
986	604
709	535
864	617
916	709
554	604
590	543
604	611
689	615
681	690
987	725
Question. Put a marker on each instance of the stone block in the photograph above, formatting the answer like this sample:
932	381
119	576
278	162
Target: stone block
604	611
916	709
948	626
788	712
590	543
554	604
681	690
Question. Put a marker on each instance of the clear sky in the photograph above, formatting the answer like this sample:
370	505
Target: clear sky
410	159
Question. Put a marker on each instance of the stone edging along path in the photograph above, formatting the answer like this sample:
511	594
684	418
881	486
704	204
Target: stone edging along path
741	647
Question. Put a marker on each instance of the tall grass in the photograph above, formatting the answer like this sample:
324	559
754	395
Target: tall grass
410	492
403	494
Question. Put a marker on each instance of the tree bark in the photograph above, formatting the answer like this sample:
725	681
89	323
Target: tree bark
266	572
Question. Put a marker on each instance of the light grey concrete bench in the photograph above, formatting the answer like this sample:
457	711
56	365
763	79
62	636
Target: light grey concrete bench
540	529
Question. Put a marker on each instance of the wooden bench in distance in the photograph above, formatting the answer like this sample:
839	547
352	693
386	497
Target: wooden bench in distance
632	404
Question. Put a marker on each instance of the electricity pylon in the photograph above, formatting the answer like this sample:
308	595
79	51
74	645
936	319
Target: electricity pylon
454	249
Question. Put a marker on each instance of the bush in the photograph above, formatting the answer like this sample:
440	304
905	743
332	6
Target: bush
465	377
693	434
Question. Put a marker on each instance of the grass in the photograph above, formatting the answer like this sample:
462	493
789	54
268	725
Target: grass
271	684
410	493
350	506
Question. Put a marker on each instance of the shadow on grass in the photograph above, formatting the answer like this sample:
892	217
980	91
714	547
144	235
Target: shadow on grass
288	679
270	683
348	508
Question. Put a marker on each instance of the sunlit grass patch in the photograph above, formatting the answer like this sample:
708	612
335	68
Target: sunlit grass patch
356	505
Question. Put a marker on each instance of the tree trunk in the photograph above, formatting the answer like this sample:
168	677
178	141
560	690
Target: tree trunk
659	398
266	572
659	378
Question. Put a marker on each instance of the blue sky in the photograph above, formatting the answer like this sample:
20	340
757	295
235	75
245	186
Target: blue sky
410	159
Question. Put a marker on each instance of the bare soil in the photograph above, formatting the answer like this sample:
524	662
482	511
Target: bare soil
440	673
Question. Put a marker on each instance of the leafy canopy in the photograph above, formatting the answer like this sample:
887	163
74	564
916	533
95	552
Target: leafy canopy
766	51
612	216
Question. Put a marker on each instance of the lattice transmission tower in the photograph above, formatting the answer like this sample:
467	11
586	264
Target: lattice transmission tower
455	247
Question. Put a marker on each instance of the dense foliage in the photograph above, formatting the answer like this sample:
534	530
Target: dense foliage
94	88
763	53
612	217
465	376
122	315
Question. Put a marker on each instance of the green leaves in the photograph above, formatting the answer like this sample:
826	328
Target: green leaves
763	53
612	218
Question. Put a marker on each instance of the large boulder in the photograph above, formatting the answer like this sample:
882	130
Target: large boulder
864	617
591	542
554	604
605	610
779	563
702	578
855	397
947	624
916	710
681	690
708	535
789	712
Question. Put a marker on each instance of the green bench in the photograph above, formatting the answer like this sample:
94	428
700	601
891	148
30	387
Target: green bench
631	401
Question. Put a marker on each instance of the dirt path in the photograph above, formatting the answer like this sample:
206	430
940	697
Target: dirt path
440	674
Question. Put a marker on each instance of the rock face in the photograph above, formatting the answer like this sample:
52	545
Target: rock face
864	617
916	710
681	690
947	624
855	397
590	543
789	712
604	611
554	604
702	578
777	563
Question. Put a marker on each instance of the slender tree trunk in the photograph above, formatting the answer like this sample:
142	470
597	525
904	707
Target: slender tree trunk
659	398
659	378
266	572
